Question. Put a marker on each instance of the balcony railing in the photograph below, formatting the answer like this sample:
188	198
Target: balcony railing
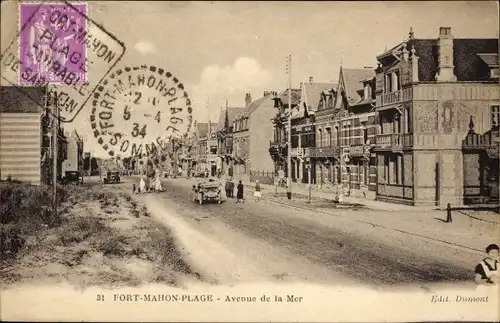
391	97
277	144
324	151
394	140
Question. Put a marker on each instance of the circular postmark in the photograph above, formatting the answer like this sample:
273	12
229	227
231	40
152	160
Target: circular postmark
137	109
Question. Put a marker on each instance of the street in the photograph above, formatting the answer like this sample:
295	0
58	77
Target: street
237	242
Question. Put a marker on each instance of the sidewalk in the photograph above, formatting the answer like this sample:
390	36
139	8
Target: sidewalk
330	195
472	230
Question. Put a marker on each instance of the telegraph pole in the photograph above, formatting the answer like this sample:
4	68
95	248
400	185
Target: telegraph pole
289	134
55	136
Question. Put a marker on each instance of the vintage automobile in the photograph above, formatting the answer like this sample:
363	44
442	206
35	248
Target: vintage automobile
207	192
72	177
112	177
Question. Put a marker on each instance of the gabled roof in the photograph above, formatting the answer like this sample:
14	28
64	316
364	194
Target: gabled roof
252	107
352	79
310	97
21	100
232	112
283	96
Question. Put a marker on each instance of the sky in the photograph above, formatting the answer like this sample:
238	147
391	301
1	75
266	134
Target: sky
222	50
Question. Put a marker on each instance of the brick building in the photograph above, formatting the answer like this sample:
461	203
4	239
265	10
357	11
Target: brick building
430	93
353	129
304	129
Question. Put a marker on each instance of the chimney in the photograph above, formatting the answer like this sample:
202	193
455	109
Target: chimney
248	100
311	79
445	60
411	34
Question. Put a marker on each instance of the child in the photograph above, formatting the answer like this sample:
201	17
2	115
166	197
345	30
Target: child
257	194
487	272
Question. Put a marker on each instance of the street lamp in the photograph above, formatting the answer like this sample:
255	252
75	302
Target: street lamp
289	134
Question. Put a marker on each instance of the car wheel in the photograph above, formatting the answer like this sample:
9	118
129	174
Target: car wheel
219	201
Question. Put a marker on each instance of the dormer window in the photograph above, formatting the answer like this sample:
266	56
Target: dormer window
367	91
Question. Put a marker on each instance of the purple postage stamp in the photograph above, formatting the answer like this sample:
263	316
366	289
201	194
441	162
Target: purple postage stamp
59	46
52	35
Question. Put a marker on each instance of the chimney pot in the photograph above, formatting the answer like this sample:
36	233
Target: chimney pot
311	79
445	31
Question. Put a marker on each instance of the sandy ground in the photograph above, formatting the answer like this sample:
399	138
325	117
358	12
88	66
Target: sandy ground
106	239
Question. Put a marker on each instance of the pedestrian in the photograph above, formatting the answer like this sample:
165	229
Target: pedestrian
158	186
142	185
228	188
487	272
257	194
231	188
133	188
239	193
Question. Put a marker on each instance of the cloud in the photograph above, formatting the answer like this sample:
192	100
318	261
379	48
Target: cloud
230	83
145	47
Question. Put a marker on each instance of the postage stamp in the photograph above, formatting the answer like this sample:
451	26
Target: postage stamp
53	35
58	45
138	109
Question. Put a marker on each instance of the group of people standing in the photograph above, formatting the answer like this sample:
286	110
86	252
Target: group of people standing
229	188
147	185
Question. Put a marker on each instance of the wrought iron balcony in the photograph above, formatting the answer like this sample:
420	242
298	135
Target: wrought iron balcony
277	144
394	140
332	151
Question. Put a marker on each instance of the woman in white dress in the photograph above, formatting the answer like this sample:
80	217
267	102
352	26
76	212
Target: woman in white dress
142	185
158	187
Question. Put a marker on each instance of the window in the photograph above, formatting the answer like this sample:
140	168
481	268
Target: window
367	173
365	134
337	135
367	92
328	137
349	135
320	139
495	116
387	83
395	86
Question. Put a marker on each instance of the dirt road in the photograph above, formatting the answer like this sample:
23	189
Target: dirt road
241	242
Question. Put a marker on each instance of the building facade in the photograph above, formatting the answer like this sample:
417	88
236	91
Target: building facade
225	137
433	97
251	128
354	130
278	146
304	130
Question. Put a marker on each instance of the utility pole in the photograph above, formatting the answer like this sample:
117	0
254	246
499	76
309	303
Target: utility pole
289	134
55	136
